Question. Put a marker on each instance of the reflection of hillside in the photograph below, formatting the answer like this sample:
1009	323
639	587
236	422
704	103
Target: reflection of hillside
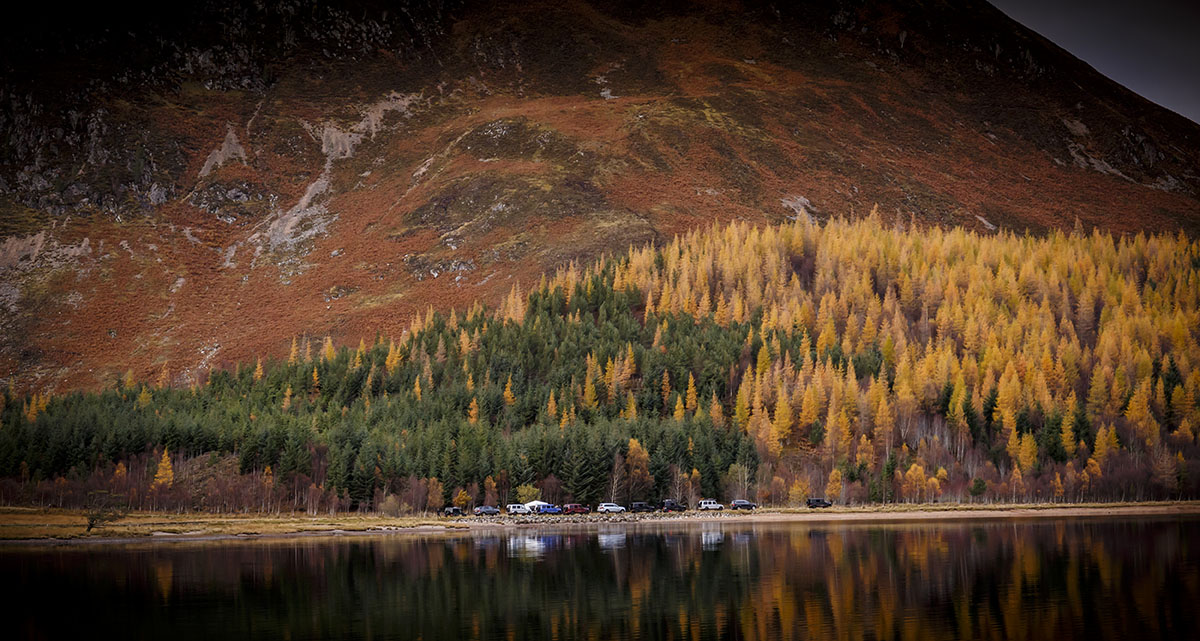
1060	580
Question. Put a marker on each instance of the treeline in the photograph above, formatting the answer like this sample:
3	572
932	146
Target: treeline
851	359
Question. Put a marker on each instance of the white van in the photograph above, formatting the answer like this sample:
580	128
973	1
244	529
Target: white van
517	508
709	504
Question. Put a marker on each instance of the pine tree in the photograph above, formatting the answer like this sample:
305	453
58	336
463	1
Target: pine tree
679	413
258	370
691	403
473	411
293	352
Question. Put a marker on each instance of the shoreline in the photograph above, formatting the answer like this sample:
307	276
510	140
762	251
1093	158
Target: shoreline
153	528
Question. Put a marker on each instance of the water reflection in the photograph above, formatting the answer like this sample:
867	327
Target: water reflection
611	538
1057	580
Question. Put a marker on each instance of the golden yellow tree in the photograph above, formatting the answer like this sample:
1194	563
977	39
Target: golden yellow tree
741	408
589	393
833	488
630	413
143	400
473	411
1067	431
164	476
1139	416
509	398
716	413
666	389
1028	452
781	425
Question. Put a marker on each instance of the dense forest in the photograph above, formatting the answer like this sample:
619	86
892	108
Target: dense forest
858	360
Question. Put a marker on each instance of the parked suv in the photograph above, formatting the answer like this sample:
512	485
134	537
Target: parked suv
709	504
609	508
550	509
819	503
741	504
639	506
671	505
487	510
453	511
517	508
575	508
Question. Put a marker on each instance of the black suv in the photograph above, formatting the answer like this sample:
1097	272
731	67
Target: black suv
453	511
741	504
819	503
671	505
640	506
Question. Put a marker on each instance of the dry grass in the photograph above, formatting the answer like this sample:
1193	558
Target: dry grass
901	508
54	524
35	523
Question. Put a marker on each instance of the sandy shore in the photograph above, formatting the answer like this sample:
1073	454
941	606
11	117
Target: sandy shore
26	526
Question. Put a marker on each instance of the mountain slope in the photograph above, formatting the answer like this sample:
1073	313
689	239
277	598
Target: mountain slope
189	190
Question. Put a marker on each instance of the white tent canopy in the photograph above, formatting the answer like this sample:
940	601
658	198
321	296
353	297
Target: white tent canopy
536	505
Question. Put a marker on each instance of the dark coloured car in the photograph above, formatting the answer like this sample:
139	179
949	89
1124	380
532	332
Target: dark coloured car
575	508
550	509
487	510
819	503
453	511
671	505
639	506
741	504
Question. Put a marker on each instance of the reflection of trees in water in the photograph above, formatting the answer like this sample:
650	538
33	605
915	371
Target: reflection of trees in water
1063	580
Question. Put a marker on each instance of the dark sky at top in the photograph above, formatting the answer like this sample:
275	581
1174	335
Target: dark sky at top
1150	46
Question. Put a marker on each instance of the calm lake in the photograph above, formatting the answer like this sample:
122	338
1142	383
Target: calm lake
1044	579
